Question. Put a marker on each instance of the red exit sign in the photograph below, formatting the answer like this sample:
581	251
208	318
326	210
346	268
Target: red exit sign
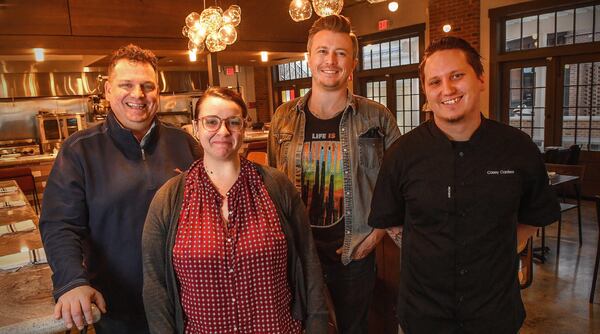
229	70
383	25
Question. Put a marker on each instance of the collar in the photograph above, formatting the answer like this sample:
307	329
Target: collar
475	138
351	102
126	141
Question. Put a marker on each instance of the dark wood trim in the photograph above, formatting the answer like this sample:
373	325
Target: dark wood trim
552	127
563	50
382	36
536	7
213	69
494	77
389	71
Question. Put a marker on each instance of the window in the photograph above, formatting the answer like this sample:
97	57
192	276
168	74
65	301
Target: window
564	27
287	95
527	101
303	91
407	104
293	70
581	105
386	54
377	91
390	73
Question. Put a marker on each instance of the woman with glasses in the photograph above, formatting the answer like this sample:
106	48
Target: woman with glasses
227	247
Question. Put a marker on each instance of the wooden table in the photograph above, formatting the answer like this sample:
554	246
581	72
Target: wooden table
27	304
26	293
16	242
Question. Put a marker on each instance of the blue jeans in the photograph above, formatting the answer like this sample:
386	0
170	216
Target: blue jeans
351	289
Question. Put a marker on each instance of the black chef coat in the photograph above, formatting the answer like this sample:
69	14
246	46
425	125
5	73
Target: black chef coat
459	204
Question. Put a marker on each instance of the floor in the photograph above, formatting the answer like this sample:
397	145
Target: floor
558	299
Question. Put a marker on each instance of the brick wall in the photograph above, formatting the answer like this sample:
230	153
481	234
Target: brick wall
261	88
462	15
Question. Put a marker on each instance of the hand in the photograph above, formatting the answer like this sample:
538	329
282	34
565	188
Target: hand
75	301
366	246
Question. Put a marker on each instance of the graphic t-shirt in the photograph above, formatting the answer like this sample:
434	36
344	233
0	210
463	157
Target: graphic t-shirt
323	184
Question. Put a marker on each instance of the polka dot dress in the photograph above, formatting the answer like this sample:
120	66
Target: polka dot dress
232	279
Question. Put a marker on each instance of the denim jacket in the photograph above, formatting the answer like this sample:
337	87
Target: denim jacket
367	129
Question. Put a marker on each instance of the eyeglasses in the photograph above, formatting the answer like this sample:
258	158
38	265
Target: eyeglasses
213	123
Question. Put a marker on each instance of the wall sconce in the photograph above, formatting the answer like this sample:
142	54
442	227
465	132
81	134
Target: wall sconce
447	28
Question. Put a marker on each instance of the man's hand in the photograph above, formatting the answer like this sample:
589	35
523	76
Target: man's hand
367	246
76	301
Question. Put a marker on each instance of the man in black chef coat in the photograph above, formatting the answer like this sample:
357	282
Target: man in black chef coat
464	189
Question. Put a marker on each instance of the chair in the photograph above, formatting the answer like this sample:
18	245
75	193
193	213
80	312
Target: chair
574	151
597	251
258	157
25	180
256	152
575	170
557	156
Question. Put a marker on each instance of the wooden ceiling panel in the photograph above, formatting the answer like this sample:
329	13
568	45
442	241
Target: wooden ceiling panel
265	21
147	18
34	17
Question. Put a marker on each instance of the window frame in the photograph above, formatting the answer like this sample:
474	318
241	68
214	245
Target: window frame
391	74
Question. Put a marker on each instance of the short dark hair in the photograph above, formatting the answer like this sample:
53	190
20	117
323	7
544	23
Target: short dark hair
450	43
132	53
225	94
335	23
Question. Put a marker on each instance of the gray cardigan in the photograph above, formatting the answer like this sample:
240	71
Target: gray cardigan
161	294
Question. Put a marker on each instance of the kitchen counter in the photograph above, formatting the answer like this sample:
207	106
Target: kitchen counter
250	137
26	159
254	136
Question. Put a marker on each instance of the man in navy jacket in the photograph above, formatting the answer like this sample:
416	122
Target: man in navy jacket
98	194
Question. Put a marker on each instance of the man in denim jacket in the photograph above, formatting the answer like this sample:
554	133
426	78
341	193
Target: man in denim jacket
330	143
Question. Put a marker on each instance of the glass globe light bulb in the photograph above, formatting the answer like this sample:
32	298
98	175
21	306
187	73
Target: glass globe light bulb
328	7
214	44
191	19
211	18
232	16
228	34
300	10
196	37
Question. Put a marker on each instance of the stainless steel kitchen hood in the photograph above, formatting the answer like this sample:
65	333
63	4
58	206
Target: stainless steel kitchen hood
51	84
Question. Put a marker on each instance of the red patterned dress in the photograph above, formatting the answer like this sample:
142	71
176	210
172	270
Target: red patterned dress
232	279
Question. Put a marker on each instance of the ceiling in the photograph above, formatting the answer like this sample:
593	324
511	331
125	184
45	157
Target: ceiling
84	32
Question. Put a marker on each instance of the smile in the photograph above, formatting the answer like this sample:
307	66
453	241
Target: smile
452	101
136	105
